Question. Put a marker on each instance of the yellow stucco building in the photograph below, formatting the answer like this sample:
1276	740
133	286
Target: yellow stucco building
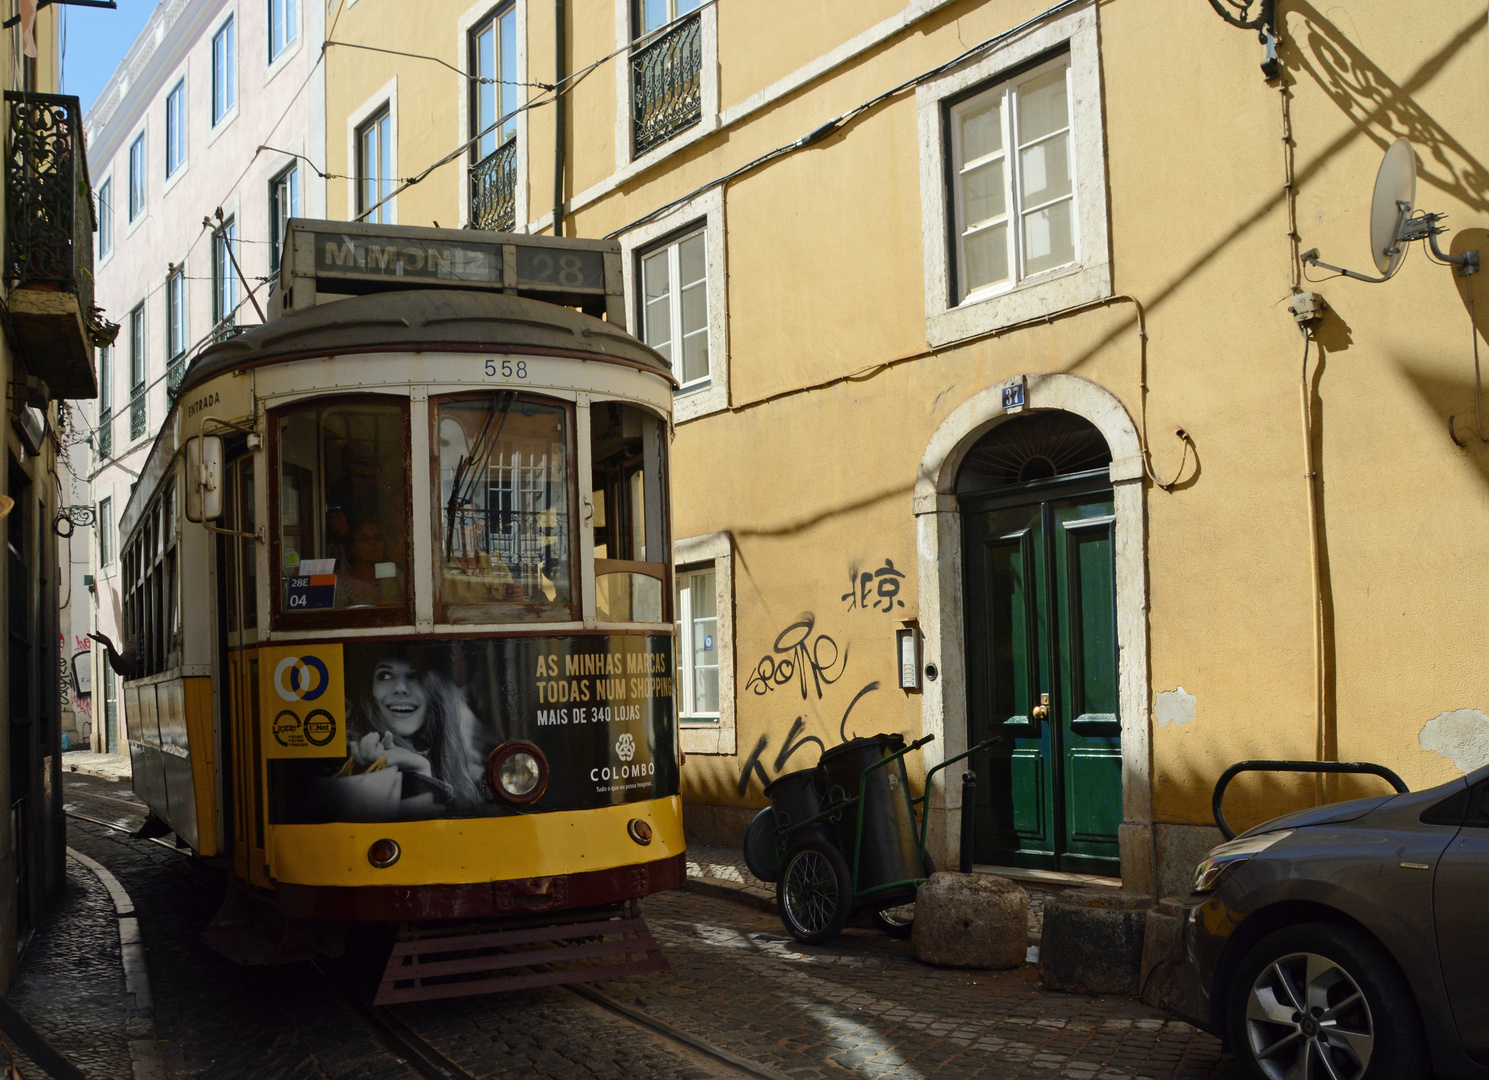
985	319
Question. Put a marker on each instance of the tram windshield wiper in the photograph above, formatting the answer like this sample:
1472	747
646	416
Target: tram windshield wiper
473	466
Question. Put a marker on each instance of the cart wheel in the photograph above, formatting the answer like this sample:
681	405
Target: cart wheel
897	922
815	892
760	846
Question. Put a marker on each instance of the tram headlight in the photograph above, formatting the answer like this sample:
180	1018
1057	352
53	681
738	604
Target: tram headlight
517	772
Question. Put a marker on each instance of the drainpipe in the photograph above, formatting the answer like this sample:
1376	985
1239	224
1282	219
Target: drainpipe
560	72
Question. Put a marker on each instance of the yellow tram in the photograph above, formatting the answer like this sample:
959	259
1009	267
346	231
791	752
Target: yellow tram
397	587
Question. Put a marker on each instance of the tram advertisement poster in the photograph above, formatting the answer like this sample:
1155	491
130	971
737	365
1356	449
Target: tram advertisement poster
418	720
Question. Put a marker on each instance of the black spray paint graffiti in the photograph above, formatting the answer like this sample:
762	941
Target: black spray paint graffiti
753	767
885	592
795	654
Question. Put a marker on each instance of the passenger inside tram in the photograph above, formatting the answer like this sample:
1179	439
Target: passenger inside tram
367	578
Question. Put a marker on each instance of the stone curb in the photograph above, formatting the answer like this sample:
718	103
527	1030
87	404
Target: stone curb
144	1050
748	895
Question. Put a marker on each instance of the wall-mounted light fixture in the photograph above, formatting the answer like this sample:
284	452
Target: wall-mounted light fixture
907	652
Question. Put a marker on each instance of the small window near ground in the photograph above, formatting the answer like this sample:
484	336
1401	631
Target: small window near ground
628	455
343	508
504	527
697	644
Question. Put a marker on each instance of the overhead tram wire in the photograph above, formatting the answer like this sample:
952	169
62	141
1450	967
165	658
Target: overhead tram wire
562	86
840	121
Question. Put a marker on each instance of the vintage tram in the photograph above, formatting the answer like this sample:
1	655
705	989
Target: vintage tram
396	592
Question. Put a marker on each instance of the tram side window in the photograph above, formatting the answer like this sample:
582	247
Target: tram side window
152	607
503	513
628	453
343	506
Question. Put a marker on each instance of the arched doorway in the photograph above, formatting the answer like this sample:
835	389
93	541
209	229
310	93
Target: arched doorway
1038	519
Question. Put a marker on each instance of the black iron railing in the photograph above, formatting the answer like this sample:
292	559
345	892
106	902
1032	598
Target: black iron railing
48	200
137	417
493	189
174	373
667	84
106	435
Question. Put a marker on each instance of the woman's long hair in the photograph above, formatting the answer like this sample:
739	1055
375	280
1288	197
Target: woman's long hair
448	721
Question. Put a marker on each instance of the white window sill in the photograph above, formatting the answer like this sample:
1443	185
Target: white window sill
280	62
1038	299
174	179
222	125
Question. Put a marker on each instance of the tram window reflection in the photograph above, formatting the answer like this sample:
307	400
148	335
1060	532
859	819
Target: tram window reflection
628	454
503	513
343	527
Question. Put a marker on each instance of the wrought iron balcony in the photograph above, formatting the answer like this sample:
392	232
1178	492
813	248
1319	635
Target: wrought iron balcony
105	435
666	84
137	416
493	189
49	241
174	373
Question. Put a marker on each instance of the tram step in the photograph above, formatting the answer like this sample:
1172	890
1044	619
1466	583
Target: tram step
494	961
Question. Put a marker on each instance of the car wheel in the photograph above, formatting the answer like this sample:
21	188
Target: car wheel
815	892
1323	1002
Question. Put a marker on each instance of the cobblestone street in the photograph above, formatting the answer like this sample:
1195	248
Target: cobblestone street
859	1007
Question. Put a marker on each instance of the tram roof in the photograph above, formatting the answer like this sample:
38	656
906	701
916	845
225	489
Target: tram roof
426	320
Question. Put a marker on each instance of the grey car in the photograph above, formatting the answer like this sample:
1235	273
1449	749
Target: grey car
1348	942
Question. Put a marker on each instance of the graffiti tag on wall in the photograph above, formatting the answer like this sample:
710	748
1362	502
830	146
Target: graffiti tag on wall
882	586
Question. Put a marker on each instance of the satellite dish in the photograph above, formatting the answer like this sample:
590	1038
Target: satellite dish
1395	198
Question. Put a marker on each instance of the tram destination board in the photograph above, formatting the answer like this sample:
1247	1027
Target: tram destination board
339	257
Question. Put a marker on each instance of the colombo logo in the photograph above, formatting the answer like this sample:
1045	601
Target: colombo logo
301	684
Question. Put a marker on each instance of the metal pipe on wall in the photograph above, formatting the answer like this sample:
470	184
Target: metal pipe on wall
560	72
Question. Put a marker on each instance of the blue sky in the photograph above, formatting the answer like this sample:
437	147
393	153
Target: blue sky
96	40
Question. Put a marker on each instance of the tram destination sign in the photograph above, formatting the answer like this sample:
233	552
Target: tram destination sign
341	257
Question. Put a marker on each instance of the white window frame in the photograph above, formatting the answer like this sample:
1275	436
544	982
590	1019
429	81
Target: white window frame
180	130
685	672
177	314
276	59
216	124
276	237
385	97
696	553
478	13
106	219
706	210
1089	278
108	536
707	124
132	215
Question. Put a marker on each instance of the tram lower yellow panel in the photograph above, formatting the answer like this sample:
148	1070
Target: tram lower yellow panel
458	851
199	735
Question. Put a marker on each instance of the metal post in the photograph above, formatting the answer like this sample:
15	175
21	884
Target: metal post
969	811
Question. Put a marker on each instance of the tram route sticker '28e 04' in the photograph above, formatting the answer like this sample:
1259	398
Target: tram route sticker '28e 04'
303	700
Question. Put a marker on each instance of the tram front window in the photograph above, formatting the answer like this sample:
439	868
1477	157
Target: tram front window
343	507
627	452
504	528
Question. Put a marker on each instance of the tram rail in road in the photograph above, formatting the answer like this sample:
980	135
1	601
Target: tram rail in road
429	1062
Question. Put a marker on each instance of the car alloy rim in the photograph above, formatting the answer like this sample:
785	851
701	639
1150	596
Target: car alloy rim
1306	1019
811	891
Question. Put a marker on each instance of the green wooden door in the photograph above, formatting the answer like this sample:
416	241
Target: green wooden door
1041	619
